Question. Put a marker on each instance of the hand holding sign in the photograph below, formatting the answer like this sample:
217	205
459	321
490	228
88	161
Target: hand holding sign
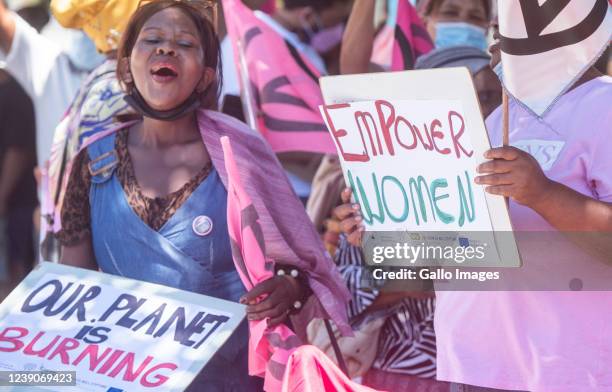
272	299
351	221
514	173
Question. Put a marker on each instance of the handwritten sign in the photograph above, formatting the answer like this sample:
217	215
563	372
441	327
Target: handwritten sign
409	143
116	333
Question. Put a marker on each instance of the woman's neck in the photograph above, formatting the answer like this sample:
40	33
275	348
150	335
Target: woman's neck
157	133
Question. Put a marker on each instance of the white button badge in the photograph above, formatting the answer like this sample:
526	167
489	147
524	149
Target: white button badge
202	225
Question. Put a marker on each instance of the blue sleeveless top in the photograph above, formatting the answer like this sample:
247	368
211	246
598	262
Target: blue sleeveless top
191	251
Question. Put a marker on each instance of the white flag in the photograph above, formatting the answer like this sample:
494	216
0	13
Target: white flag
546	45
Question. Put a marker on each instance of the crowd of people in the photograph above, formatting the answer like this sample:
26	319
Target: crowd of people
111	112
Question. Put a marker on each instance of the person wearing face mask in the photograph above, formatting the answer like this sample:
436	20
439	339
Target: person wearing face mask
487	86
312	27
456	22
367	46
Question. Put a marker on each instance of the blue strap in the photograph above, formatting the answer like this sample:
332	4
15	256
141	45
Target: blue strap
103	159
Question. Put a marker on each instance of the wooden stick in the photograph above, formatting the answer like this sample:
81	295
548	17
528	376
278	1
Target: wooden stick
505	128
505	119
336	347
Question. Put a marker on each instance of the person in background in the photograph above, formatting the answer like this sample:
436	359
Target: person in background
448	22
485	339
50	73
456	22
231	85
406	355
95	108
17	185
486	83
313	28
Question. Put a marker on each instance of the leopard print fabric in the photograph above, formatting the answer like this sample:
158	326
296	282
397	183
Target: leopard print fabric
155	212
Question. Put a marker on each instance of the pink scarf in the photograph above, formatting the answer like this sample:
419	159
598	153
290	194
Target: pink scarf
288	236
275	353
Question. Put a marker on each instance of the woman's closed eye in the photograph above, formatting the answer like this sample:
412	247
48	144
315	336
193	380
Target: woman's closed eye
449	12
478	18
152	40
186	44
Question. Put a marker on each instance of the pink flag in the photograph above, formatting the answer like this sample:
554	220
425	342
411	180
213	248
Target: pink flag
547	46
310	370
284	84
411	37
269	348
274	353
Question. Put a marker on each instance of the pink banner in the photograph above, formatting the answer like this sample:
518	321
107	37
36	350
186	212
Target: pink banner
284	84
274	353
411	39
269	348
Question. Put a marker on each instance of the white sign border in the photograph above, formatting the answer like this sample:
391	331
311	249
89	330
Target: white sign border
452	84
15	298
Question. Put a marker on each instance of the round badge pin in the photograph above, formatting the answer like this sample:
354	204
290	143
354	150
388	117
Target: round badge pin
202	225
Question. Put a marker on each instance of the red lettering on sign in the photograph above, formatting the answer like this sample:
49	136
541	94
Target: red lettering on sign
340	133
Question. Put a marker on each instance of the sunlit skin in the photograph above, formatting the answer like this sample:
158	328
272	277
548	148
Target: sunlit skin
468	11
167	59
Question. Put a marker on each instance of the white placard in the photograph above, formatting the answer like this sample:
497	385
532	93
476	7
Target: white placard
117	334
409	143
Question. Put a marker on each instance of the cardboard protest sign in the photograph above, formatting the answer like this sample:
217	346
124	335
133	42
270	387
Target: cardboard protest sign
409	143
116	333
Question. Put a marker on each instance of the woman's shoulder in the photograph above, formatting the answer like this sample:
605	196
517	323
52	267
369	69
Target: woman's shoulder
231	124
104	142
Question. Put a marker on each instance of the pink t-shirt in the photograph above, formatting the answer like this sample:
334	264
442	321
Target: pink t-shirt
542	340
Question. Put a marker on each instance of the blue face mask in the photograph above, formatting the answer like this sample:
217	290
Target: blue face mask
460	34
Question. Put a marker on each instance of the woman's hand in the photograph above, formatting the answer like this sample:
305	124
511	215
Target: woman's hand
349	215
516	174
272	299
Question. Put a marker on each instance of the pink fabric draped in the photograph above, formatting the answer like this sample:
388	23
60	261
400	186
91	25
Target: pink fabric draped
286	233
411	38
269	348
285	84
310	370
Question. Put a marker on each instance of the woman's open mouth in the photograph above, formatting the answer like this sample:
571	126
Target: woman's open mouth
164	73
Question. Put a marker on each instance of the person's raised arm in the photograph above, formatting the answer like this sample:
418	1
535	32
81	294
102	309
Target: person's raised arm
358	38
7	28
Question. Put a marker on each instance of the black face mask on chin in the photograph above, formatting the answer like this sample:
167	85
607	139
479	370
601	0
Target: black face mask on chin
137	102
